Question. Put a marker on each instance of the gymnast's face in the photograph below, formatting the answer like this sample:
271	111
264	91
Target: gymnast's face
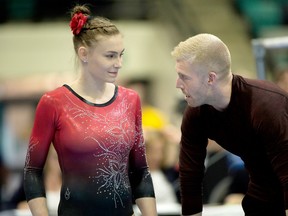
104	60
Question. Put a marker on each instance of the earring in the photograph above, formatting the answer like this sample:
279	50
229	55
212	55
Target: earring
85	60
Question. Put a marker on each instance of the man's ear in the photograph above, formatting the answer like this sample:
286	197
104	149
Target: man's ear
211	77
83	54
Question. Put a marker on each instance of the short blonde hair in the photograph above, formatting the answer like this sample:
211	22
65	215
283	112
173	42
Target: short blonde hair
205	50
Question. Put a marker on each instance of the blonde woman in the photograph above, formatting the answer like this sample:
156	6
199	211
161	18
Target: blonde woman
95	127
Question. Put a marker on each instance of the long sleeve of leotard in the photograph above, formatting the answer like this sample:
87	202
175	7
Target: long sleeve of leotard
139	174
42	134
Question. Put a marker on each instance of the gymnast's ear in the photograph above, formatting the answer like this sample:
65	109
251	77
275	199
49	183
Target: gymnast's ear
83	53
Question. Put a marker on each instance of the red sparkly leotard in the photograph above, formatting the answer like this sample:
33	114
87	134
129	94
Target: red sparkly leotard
100	149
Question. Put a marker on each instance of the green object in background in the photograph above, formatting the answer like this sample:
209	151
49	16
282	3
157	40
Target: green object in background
20	9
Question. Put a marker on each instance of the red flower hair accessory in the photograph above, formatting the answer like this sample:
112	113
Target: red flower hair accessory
77	22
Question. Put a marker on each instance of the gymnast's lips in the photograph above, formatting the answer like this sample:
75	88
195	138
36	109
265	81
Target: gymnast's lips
113	73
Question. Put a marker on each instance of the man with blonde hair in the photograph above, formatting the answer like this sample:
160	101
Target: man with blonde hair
246	117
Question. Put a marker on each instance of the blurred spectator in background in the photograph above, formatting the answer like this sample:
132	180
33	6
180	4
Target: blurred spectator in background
216	181
151	115
282	79
164	172
226	179
3	178
52	180
239	180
